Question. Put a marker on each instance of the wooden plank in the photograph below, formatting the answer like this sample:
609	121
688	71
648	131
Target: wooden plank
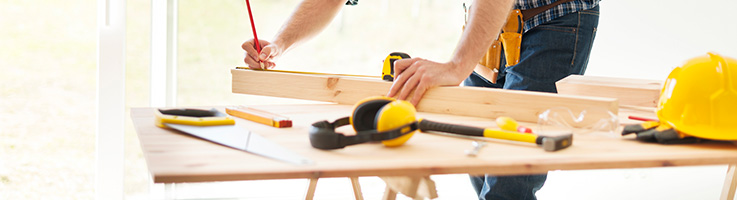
730	183
466	101
631	92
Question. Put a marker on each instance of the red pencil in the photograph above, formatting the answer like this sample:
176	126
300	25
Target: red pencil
642	118
253	27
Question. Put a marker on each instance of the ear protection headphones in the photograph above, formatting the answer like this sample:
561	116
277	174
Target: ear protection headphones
379	118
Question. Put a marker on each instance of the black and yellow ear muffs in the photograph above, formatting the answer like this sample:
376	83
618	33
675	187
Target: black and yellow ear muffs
382	119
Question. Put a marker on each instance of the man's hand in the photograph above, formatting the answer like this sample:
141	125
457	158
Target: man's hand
269	51
415	76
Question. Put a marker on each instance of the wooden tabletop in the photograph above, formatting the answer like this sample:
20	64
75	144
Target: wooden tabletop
174	157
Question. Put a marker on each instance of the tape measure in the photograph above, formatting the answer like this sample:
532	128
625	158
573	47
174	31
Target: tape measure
387	73
313	73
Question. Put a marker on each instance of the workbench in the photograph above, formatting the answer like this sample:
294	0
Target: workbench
174	157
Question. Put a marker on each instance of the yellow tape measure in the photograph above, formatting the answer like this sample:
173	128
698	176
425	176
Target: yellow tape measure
315	73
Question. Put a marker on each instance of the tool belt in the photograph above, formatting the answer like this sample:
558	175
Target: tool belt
510	39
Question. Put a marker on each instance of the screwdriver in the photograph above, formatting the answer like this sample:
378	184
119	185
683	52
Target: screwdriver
509	124
255	37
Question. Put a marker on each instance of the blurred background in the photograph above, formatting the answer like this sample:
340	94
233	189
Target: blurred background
47	85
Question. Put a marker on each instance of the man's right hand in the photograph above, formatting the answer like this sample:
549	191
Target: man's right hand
253	59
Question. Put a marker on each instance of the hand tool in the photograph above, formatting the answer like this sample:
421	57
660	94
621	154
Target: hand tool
195	117
387	72
314	73
654	131
259	116
255	36
231	135
548	143
509	124
477	145
642	118
636	128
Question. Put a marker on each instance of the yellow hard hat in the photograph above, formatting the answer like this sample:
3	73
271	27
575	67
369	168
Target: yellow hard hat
700	98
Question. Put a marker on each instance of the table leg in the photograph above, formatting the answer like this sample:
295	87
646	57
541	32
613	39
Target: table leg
311	189
389	194
356	188
730	183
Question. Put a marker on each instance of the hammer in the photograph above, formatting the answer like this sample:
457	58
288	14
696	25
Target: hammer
548	143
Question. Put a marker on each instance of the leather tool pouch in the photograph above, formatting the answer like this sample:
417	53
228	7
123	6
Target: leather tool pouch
488	67
510	39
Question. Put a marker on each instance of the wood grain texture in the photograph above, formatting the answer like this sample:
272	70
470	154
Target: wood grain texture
730	183
466	101
174	157
389	194
310	193
356	188
631	92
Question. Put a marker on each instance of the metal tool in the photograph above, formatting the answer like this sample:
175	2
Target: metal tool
237	137
477	145
314	73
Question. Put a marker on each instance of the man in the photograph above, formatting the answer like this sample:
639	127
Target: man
312	16
542	61
555	43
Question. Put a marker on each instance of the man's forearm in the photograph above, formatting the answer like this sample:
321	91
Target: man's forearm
486	20
309	19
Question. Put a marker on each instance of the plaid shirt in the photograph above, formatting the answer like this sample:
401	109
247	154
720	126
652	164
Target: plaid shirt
555	12
546	16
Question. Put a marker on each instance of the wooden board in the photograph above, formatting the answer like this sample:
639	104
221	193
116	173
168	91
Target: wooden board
630	92
173	157
466	101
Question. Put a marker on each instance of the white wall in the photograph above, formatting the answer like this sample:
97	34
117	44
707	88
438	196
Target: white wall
646	39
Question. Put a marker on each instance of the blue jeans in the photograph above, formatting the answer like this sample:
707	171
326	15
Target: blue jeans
549	52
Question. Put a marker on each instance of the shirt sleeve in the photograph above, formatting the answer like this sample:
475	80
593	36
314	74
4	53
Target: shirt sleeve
351	2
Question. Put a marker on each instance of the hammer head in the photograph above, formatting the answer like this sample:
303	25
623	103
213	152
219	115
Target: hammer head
557	142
